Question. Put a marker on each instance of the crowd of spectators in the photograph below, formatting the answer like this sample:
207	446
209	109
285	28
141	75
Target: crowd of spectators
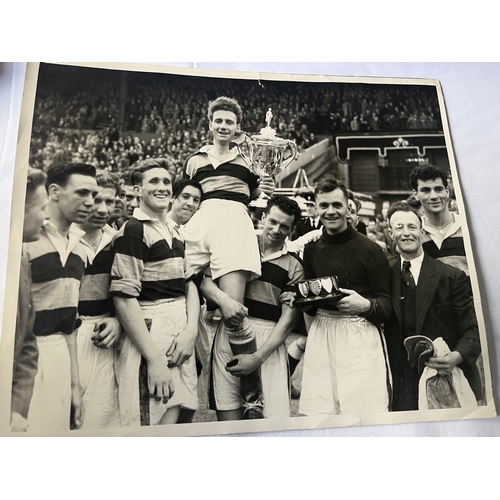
168	118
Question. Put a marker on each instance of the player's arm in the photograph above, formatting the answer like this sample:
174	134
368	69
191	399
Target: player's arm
232	311
183	346
248	363
76	392
130	316
377	308
298	244
266	186
353	303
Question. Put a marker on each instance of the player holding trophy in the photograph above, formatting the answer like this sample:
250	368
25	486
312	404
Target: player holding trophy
220	236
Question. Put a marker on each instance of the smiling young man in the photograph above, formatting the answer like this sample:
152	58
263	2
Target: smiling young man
221	234
58	260
270	319
186	199
443	237
99	329
430	298
156	305
345	364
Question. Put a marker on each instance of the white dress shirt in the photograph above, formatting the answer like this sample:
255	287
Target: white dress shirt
415	265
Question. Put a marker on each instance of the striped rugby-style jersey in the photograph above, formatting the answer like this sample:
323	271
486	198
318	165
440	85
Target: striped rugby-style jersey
280	272
57	267
450	249
146	266
95	299
230	180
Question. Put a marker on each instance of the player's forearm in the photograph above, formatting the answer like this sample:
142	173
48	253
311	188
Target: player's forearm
255	194
380	284
211	291
73	358
299	244
192	307
128	312
279	333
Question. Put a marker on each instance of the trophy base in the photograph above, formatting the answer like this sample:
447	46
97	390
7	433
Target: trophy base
331	298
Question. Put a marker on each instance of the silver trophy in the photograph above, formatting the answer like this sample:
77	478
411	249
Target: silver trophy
318	289
268	154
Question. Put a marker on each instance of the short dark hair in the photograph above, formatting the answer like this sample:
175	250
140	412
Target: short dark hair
358	204
126	179
61	172
35	179
286	205
329	184
182	183
107	179
401	206
427	173
225	104
145	165
414	203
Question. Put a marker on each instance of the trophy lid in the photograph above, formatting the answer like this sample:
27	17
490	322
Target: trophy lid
269	137
267	134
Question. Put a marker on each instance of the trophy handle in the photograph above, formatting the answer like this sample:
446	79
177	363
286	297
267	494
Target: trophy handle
245	138
293	147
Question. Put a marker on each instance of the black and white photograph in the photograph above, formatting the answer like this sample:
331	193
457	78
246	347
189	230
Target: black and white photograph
199	252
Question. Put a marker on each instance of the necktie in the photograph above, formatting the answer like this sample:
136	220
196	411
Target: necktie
408	280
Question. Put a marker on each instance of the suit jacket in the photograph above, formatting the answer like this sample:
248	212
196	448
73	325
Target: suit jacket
25	347
444	308
304	226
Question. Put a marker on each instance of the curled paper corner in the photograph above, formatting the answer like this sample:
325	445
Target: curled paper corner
329	421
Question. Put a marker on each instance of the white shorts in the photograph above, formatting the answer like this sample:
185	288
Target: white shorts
165	320
345	367
50	406
97	379
274	373
221	235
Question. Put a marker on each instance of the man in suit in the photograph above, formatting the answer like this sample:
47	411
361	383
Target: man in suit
312	220
25	346
429	298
